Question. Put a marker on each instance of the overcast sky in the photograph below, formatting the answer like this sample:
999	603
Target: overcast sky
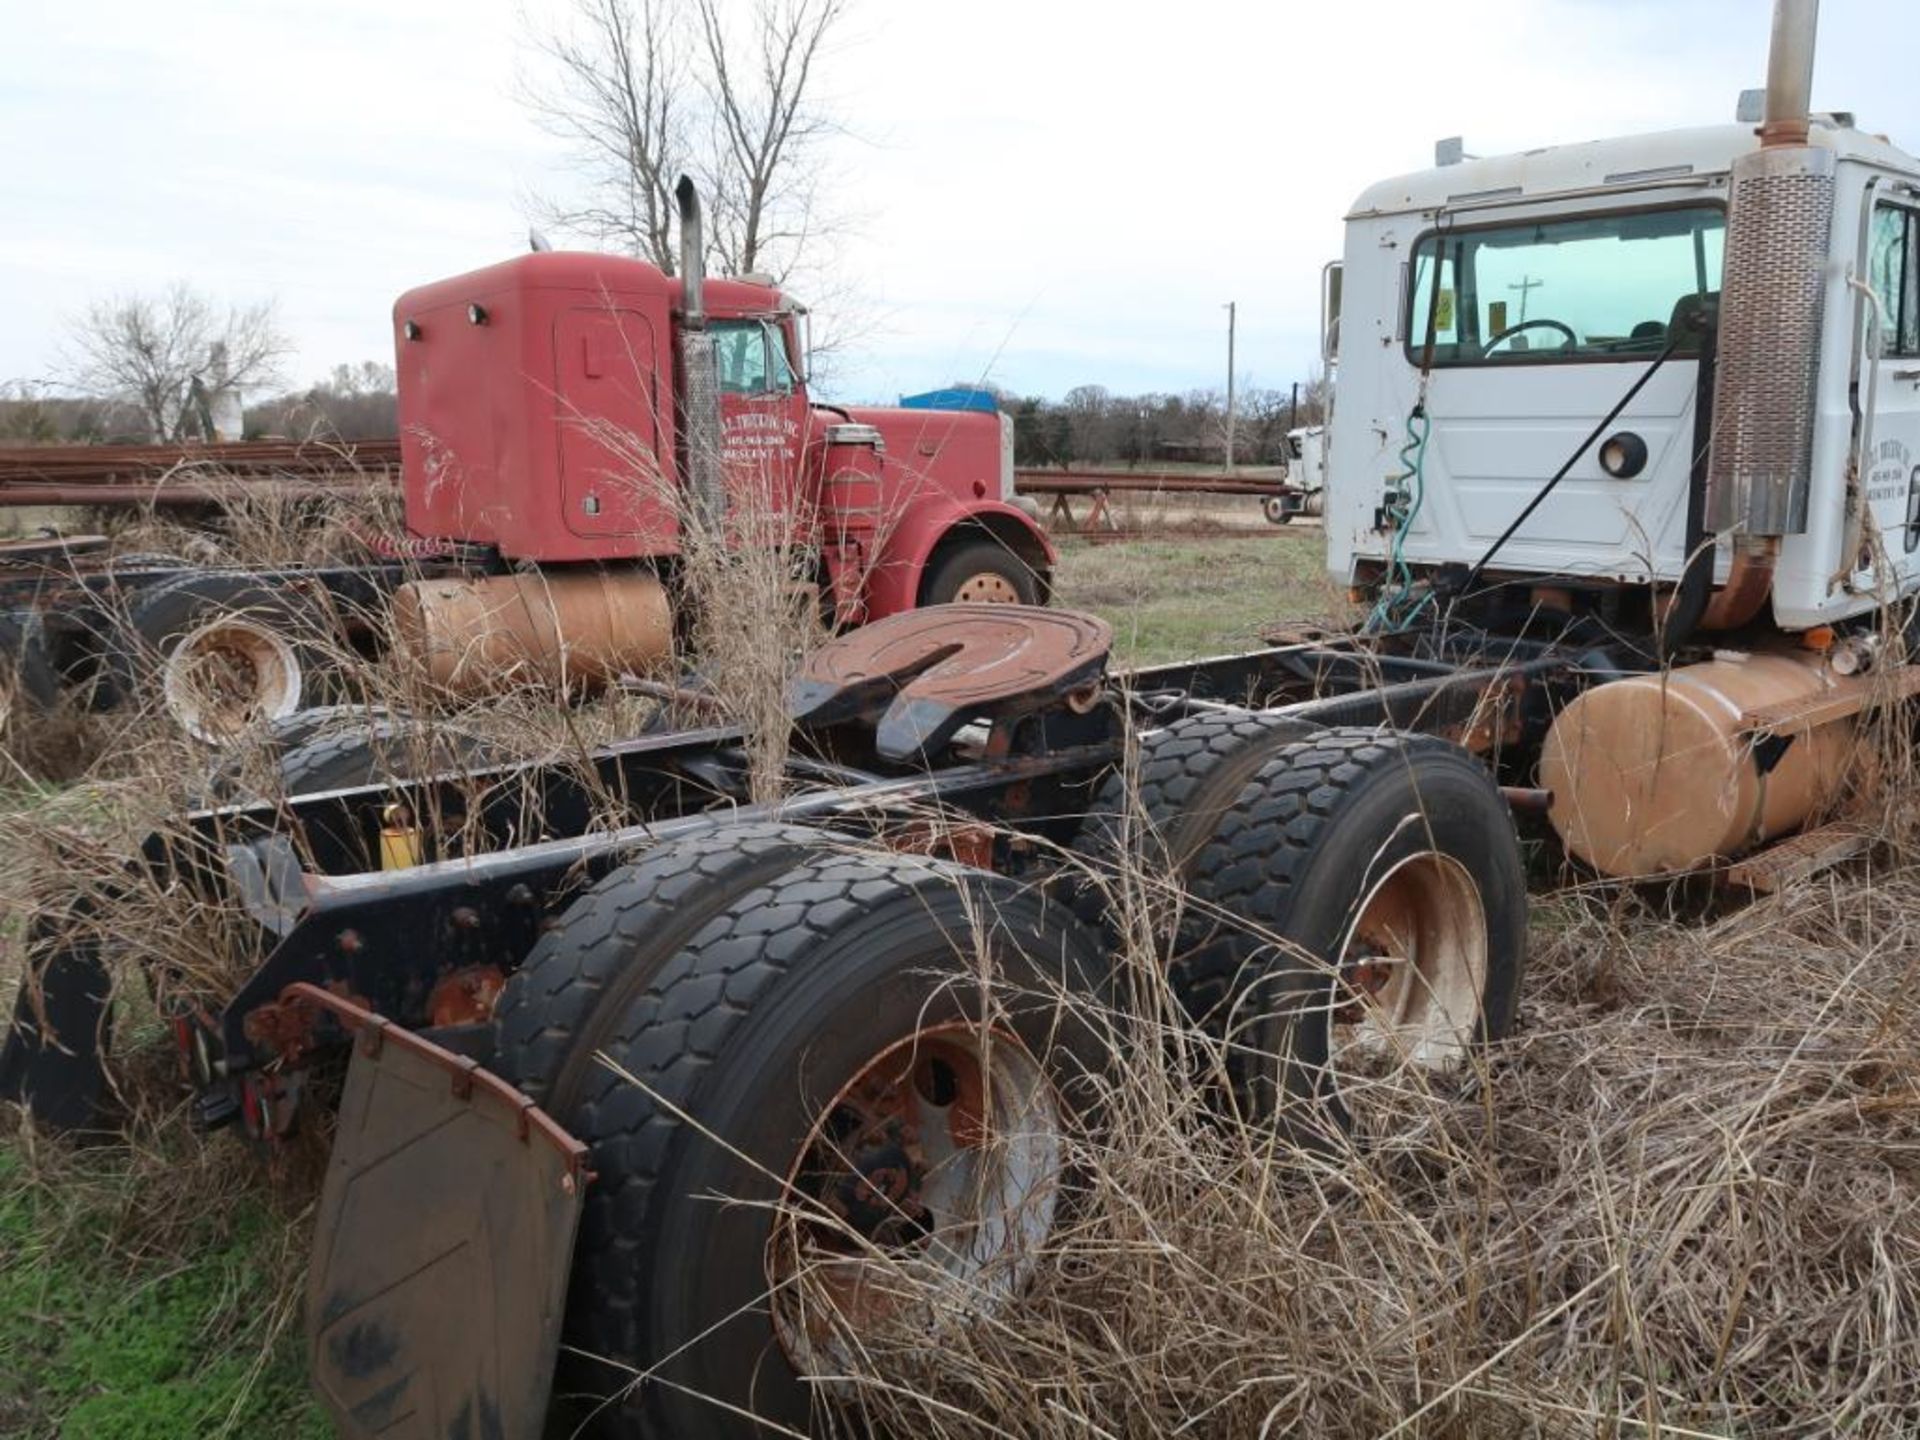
1047	193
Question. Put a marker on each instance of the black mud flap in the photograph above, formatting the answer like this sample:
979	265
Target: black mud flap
53	1060
442	1246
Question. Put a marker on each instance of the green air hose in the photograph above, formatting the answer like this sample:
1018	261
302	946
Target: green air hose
1397	588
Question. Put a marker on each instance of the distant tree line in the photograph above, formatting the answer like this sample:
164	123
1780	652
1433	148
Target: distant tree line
1093	426
354	402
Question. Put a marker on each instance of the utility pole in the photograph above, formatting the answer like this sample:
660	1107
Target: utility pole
1230	318
1523	285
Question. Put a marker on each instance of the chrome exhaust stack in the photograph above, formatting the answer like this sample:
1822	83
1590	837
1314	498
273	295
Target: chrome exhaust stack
1790	73
1773	301
705	480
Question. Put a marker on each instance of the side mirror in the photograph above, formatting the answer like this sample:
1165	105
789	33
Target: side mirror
1330	311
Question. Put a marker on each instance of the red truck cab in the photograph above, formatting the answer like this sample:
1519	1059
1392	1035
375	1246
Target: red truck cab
539	417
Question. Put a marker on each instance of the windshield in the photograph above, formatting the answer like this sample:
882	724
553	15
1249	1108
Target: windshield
1585	288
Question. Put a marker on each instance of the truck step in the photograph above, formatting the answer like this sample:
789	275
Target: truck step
1799	856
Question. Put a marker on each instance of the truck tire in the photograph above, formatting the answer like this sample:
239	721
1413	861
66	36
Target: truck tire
1189	773
230	778
398	748
557	1009
146	560
803	1055
221	651
1341	851
27	682
1276	511
981	571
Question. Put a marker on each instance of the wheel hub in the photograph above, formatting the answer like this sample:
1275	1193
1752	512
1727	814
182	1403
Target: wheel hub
229	675
922	1191
987	587
1408	988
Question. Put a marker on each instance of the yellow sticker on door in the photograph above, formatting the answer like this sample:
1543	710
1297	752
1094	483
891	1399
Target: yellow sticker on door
1443	310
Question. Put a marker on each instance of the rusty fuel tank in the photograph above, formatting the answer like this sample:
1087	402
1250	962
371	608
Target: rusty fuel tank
1661	773
577	630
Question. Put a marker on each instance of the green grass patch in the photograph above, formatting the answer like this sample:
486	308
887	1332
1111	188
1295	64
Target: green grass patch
1175	599
144	1295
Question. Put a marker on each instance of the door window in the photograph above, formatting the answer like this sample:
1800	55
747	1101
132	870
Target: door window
1591	287
1893	265
753	358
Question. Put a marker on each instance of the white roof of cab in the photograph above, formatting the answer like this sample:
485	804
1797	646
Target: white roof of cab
1593	164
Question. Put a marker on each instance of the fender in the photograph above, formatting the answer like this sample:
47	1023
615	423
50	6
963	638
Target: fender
901	556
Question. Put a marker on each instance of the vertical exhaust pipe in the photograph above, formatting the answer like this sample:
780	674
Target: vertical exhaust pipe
1790	73
1773	301
705	482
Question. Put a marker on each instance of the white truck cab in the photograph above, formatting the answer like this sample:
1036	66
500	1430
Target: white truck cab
1497	310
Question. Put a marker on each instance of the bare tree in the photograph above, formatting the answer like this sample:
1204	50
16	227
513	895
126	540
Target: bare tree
617	93
761	172
722	89
169	354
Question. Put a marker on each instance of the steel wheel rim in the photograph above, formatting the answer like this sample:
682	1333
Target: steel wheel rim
987	587
228	676
922	1192
1407	994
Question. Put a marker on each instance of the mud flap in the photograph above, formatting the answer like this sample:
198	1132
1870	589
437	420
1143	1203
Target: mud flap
54	1058
442	1244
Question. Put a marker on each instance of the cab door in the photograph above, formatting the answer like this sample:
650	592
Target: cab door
762	430
616	480
1535	329
1892	464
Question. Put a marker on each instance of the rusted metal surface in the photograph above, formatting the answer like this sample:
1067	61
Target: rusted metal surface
927	673
442	1244
189	474
1660	773
1525	800
1119	536
945	1144
1799	856
1171	482
1850	695
480	634
1098	486
964	842
466	996
1749	583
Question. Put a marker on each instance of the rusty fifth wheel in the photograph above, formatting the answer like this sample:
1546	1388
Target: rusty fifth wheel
818	1098
1377	883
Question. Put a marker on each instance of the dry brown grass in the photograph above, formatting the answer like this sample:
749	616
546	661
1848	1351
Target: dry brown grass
1683	1199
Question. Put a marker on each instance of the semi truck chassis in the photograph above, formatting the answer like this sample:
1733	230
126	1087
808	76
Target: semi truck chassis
934	753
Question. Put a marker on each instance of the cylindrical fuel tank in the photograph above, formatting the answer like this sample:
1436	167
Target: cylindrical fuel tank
576	629
1659	773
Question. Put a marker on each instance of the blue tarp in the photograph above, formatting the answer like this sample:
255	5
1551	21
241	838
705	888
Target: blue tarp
957	397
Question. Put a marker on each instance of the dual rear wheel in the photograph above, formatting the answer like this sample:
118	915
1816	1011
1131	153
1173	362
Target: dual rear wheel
830	1091
826	1090
1352	910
